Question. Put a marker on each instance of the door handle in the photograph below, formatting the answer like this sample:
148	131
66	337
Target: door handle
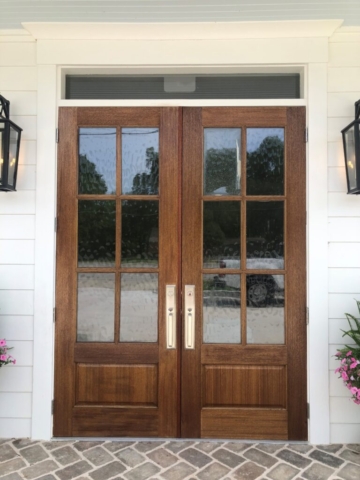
170	316
189	317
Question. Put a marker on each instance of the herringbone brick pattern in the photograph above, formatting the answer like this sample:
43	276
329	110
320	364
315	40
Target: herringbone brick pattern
23	459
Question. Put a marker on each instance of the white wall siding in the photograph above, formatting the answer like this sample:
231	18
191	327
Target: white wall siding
344	226
16	227
18	327
20	277
18	77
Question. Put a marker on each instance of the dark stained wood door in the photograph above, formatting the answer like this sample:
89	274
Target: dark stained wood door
117	248
180	287
244	254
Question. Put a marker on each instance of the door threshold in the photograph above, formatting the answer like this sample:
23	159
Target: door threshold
174	439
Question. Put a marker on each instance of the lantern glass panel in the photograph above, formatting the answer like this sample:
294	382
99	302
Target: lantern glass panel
2	151
350	156
13	153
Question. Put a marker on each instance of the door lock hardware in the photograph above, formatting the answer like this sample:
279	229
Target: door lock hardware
170	316
189	317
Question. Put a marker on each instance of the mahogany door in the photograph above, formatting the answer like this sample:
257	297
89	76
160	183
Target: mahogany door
117	248
180	302
243	248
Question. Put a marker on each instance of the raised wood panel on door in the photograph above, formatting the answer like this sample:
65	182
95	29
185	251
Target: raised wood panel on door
117	384
240	390
224	386
115	389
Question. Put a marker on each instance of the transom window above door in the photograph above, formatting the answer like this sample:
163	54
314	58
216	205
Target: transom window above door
183	86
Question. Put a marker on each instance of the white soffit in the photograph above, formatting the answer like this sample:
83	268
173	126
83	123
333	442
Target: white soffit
182	31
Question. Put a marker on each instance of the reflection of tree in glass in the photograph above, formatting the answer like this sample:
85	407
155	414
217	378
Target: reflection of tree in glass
221	229
221	170
140	239
90	181
140	242
265	168
96	232
96	221
265	229
146	183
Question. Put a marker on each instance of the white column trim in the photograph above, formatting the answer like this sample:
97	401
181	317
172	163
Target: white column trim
43	373
317	260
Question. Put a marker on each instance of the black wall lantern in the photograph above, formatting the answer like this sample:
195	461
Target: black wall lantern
10	135
351	140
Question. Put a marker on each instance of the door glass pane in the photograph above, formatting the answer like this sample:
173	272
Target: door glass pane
140	233
265	161
221	241
139	307
2	148
265	235
140	161
14	139
95	307
97	160
265	310
222	161
221	309
96	234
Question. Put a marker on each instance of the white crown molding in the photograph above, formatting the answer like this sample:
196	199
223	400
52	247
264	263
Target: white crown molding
181	31
8	32
15	35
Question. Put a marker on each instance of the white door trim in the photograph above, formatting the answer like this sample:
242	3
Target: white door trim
48	101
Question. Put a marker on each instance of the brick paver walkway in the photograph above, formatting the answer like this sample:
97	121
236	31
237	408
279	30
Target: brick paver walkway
175	460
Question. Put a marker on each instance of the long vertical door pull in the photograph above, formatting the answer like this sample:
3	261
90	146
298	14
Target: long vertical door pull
189	317
170	316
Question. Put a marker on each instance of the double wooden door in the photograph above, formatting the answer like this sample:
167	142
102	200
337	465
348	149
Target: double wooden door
180	285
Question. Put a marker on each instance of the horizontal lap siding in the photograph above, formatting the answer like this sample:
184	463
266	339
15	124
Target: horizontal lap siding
344	226
17	238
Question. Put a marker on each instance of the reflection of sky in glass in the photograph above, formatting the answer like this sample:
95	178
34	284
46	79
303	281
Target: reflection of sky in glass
255	136
135	142
99	146
219	138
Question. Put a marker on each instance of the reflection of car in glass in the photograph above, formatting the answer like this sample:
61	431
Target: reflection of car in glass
261	289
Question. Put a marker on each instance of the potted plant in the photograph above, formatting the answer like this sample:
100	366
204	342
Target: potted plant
349	357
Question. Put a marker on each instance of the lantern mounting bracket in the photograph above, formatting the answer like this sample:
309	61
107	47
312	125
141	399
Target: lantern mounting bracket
357	109
4	107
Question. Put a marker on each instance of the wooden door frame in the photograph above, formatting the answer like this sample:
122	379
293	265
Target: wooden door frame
68	149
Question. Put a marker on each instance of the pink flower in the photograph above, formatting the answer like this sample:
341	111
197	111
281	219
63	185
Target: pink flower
353	390
338	354
344	376
354	364
2	342
338	370
349	353
14	361
3	357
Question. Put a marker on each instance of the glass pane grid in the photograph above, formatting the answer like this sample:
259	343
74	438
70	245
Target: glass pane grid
118	235
261	262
